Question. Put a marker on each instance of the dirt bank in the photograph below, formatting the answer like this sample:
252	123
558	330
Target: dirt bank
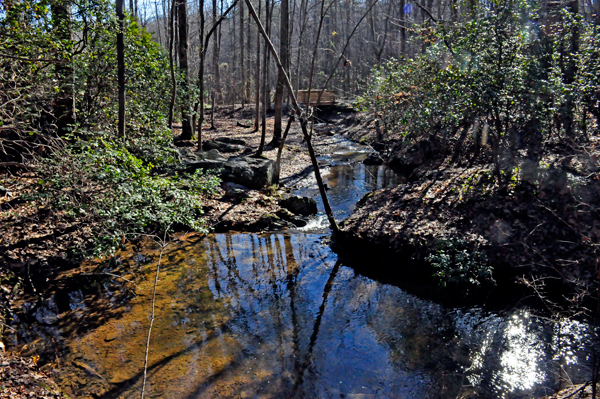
540	230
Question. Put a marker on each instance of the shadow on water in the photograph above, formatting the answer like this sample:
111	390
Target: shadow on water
280	315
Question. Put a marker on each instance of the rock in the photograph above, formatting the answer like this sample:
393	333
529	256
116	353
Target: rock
213	155
221	146
192	166
288	216
111	336
373	159
209	160
299	205
268	221
406	161
4	192
230	140
184	143
236	191
251	172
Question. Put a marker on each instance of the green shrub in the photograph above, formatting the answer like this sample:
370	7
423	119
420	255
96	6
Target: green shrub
100	184
456	263
527	82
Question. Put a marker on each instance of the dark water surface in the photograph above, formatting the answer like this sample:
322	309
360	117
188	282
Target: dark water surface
278	315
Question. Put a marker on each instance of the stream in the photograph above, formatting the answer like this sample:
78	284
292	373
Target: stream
279	315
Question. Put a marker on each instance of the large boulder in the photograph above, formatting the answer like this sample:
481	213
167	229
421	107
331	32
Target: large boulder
236	191
223	145
209	160
304	206
251	172
231	140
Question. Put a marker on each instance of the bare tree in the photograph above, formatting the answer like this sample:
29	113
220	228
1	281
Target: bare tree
187	128
284	53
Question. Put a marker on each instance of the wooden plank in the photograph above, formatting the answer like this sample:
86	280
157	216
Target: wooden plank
327	97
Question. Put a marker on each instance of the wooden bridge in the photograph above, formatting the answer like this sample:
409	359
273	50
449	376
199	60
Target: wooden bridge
327	97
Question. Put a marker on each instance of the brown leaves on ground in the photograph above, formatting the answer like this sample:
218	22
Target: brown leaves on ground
21	378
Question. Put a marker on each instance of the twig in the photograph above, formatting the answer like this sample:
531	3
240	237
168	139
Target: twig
163	247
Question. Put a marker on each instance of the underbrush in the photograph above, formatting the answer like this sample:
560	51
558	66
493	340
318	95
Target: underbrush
102	184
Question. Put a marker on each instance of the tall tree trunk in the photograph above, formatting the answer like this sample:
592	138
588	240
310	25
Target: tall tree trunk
63	107
257	77
187	129
202	60
242	45
157	22
265	85
402	28
172	62
216	71
121	68
284	54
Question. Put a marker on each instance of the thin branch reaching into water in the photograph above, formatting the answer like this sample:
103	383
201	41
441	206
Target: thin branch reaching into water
163	244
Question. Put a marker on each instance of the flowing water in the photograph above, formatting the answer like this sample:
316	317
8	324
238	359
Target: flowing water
279	315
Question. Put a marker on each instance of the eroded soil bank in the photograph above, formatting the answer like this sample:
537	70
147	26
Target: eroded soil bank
453	219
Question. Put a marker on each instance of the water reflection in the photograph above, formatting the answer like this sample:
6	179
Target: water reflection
277	315
347	183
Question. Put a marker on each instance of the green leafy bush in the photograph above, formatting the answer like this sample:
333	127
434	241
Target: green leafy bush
100	184
456	263
505	81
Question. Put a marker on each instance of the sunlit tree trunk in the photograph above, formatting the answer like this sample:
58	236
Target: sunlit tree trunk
187	129
284	54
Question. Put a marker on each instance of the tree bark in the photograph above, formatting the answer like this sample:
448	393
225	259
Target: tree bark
187	129
265	96
121	68
243	74
257	78
216	70
284	53
172	61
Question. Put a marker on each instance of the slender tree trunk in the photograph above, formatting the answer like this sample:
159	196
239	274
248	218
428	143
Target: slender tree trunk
402	29
157	22
284	53
242	71
257	77
233	71
187	129
202	56
172	62
216	71
121	68
265	85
